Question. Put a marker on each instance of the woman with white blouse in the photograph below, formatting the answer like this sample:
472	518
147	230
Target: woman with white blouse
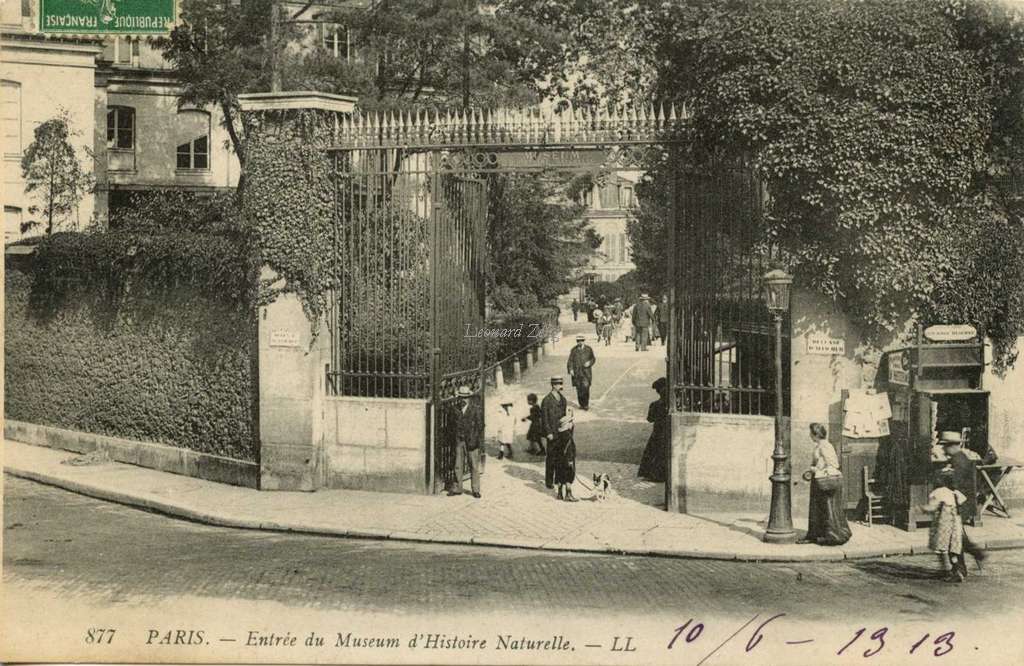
826	522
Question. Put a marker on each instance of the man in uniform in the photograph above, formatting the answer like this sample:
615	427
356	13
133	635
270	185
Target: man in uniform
643	317
581	359
467	442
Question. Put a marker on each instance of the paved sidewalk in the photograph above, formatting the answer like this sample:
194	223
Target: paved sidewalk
516	511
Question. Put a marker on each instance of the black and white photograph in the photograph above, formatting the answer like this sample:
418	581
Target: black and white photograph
613	332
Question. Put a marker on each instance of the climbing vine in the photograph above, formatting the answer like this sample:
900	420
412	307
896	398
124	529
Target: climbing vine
288	203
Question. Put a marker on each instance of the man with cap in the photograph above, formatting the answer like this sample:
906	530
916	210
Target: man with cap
581	359
643	317
963	463
467	441
558	467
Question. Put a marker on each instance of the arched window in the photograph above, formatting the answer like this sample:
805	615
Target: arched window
11	101
121	127
193	140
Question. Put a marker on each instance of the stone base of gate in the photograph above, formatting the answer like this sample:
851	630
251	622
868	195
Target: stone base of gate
720	463
375	444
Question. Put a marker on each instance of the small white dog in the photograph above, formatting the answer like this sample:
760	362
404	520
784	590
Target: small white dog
602	486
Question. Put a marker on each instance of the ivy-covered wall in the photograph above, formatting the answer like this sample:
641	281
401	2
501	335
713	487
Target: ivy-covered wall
139	337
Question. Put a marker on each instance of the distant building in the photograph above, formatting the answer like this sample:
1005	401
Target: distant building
608	205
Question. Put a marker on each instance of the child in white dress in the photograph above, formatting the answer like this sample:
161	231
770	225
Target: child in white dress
946	534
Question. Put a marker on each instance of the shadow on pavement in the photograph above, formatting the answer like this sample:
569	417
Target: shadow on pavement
897	570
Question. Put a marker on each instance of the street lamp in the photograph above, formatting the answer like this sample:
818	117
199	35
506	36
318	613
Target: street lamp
780	520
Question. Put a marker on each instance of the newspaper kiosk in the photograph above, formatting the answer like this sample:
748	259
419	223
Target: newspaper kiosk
934	385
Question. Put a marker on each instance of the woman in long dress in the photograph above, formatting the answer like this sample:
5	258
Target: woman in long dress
653	463
826	522
562	458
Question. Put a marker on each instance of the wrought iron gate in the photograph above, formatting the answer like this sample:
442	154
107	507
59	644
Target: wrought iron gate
411	202
722	351
409	240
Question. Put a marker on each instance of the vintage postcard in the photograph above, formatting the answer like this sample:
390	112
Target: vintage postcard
617	332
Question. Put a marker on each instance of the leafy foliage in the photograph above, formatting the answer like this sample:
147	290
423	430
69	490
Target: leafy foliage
289	205
537	239
888	134
179	211
89	345
53	173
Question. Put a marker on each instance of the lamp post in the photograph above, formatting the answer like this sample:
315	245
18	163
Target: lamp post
780	520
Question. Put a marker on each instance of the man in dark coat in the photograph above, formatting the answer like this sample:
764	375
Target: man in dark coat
663	323
965	479
581	359
467	442
643	317
560	463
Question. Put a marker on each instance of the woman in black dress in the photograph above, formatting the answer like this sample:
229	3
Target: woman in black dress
826	522
654	462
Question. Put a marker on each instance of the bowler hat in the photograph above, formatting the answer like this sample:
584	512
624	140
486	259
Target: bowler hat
644	297
557	381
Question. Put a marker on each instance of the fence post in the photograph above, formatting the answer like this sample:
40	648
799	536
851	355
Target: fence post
499	376
533	352
526	360
517	371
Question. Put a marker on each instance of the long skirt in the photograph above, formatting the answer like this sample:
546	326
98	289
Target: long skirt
560	464
652	463
826	522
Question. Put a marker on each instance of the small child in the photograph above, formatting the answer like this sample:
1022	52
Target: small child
534	435
607	329
506	431
946	534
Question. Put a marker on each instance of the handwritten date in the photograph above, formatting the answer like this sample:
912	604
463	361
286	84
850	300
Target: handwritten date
691	631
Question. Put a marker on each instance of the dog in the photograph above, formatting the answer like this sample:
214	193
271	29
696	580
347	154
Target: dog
602	486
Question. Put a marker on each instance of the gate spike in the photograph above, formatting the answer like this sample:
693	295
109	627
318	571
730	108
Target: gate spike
661	115
672	115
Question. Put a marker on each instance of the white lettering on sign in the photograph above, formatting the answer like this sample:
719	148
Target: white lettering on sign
950	332
282	337
822	344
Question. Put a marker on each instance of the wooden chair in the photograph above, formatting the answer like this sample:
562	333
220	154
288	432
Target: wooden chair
874	501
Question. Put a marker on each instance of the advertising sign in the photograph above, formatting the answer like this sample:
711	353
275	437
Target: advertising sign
899	367
107	17
950	333
825	345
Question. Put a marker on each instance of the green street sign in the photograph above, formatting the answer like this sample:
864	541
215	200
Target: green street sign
107	17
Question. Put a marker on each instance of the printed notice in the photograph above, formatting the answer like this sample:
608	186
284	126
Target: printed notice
825	345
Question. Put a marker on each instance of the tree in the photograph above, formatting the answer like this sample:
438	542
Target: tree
537	239
888	134
53	172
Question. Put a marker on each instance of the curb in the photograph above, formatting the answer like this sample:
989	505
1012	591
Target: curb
197	516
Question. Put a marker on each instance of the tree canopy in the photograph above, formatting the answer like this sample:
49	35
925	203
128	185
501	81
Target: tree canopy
888	135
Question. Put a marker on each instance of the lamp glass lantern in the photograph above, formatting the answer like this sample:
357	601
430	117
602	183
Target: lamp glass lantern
777	284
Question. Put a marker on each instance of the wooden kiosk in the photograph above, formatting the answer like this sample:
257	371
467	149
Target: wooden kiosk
934	385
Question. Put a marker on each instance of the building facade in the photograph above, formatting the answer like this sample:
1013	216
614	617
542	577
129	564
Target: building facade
608	208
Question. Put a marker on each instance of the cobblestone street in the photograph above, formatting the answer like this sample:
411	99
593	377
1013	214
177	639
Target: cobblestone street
103	554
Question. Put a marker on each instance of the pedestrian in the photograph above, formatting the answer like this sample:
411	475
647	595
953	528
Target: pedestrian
663	323
643	317
506	431
598	314
655	331
654	462
467	442
607	329
575	309
963	463
826	521
535	434
581	360
945	535
560	463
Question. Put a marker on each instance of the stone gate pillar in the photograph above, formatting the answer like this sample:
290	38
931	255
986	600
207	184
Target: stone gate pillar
291	362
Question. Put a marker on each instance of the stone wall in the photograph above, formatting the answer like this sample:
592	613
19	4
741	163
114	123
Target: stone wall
721	463
375	444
